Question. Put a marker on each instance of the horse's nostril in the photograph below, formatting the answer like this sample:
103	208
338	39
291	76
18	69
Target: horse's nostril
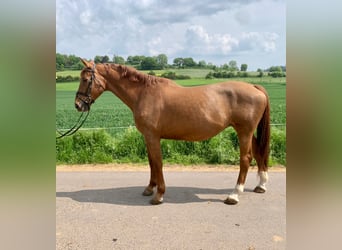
76	106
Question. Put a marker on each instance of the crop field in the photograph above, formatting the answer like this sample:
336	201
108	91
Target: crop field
109	112
109	135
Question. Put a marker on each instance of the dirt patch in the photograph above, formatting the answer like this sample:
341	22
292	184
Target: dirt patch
167	167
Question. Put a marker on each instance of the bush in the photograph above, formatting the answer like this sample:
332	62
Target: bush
129	146
278	146
222	74
209	75
67	78
85	147
277	74
173	76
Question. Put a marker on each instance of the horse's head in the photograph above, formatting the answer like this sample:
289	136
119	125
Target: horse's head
91	87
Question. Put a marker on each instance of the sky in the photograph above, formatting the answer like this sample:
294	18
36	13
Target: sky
217	31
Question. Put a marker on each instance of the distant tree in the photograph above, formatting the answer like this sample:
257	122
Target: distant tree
98	59
149	63
118	59
243	67
129	60
261	73
202	64
135	60
210	65
70	62
105	59
276	71
179	62
189	62
60	62
233	66
79	65
225	66
162	61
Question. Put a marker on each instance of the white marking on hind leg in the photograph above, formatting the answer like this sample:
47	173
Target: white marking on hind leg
263	175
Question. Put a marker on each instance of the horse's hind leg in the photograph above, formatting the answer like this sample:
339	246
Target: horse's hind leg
245	140
262	169
157	178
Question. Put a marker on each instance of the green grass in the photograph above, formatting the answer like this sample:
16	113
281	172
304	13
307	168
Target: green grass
129	147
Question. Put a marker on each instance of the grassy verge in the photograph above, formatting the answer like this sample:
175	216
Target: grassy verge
129	147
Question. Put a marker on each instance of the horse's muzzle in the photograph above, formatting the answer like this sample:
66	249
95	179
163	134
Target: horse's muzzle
82	106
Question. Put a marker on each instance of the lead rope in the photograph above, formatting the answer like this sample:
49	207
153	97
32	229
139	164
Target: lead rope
74	128
77	126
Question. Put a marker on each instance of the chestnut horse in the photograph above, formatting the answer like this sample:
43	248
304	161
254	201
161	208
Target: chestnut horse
163	109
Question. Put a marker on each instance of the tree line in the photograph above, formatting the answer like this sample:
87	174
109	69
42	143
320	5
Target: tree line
160	62
140	62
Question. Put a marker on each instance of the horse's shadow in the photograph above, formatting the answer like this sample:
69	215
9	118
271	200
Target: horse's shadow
132	196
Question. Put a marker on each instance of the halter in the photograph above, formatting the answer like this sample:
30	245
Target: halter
86	99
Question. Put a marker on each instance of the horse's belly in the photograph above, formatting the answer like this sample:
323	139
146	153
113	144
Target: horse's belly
193	133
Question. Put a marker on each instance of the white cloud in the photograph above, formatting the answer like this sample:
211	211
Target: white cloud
85	17
200	42
265	41
209	29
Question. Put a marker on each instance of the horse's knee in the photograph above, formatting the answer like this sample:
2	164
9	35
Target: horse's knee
246	159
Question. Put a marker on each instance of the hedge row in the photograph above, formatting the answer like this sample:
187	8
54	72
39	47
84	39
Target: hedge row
67	78
226	74
129	146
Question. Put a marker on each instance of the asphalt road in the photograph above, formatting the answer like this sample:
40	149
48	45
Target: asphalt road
105	210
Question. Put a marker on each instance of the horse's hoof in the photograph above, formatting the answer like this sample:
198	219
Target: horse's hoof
231	201
147	192
259	190
155	202
158	199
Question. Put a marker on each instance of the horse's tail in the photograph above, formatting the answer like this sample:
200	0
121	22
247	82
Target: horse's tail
264	131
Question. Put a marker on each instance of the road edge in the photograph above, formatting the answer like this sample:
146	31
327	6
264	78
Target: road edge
118	167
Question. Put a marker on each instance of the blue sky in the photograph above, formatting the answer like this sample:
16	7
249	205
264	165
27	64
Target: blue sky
217	31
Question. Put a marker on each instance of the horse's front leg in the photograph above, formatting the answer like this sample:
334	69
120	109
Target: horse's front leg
157	178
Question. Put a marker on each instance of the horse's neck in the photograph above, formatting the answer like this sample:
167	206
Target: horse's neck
126	91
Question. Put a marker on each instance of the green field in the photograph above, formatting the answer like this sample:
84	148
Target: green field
109	112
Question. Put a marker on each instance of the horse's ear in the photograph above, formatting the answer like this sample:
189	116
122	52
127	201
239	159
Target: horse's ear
85	63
